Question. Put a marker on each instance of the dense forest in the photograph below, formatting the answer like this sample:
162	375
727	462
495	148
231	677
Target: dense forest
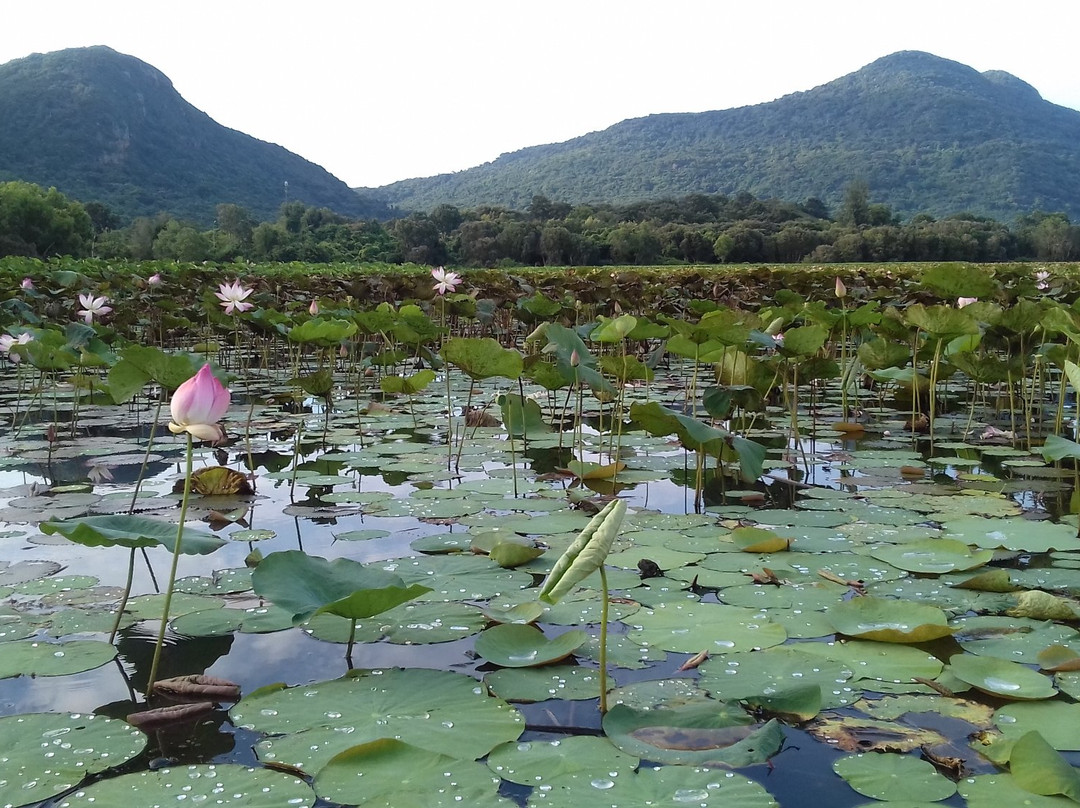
694	229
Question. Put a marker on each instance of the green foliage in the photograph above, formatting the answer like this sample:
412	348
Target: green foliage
40	223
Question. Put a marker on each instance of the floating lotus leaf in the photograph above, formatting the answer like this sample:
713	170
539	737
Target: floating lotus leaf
1013	534
150	607
888	620
132	531
442	712
215	784
526	612
893	707
878	660
1013	638
390	773
1059	658
536	763
46	753
760	675
458	577
1058	723
208	623
622	652
567	682
222	582
1037	767
702	733
759	540
650	693
691	627
996	580
650	787
30	658
510	554
996	790
1000	677
407	624
441	543
932	557
894	777
517	645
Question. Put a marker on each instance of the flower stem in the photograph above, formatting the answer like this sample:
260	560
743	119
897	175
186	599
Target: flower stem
172	572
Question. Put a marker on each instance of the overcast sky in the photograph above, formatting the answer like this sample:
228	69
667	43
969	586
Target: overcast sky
382	91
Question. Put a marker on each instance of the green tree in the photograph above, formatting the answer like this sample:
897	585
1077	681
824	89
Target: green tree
40	223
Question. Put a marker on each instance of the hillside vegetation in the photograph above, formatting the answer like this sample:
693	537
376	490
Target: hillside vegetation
104	127
926	134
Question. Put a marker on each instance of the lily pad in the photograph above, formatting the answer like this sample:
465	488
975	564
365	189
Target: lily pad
568	682
933	557
517	645
536	763
442	712
888	620
216	784
999	677
46	753
706	732
886	776
392	774
31	658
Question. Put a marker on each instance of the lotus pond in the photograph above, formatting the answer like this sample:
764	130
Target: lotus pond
845	575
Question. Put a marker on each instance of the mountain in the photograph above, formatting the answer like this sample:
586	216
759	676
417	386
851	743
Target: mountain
925	133
102	126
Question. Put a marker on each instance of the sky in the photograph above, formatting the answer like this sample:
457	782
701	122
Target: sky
381	91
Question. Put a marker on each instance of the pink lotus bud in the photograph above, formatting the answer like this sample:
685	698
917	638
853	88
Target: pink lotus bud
154	280
27	284
197	406
841	290
313	309
575	359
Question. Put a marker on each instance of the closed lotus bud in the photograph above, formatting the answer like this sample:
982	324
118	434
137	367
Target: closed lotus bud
313	309
841	290
774	327
575	359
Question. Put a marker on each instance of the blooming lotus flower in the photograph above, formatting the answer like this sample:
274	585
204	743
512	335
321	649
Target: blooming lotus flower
965	301
445	281
154	280
313	309
841	290
1042	278
197	406
93	307
233	297
27	284
7	342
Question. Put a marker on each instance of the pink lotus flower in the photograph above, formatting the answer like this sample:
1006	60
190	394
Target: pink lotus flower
154	280
1042	280
197	406
965	301
445	281
7	342
27	284
93	307
233	297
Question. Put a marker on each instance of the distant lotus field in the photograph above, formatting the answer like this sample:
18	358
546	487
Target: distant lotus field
411	536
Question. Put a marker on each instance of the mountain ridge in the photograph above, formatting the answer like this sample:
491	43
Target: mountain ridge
102	126
927	134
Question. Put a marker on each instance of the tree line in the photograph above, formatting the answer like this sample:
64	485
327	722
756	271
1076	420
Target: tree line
694	229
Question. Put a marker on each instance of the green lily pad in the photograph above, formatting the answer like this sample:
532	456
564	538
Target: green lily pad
888	620
1013	534
1058	723
932	557
886	776
689	627
650	787
568	682
775	671
1037	767
1015	639
23	571
132	531
407	624
996	790
216	784
888	662
518	645
706	732
30	658
46	753
442	712
391	773
999	677
536	763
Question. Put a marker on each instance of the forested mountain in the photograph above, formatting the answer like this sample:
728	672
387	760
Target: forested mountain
926	135
104	127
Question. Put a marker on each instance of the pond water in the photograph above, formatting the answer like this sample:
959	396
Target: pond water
953	535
